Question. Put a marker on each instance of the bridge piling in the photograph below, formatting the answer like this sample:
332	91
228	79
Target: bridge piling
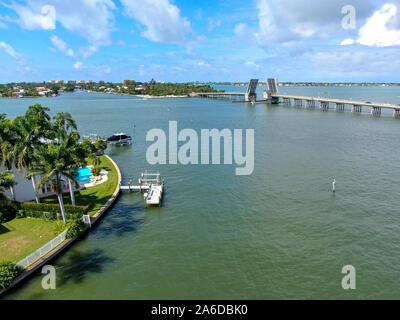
339	106
376	111
298	103
310	104
356	108
324	105
396	113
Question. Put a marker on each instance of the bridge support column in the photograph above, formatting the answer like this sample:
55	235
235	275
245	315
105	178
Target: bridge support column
376	111
324	105
396	113
250	97
356	108
339	107
298	103
286	101
310	104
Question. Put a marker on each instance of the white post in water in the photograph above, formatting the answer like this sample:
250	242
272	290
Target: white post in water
334	185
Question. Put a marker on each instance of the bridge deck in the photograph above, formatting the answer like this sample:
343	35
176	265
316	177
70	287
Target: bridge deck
220	93
344	101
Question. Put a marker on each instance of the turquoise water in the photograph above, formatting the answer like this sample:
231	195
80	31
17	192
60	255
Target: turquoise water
84	175
278	233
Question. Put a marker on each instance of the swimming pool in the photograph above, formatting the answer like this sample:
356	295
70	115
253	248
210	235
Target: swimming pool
84	175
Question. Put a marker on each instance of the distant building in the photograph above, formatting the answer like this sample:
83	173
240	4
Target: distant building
71	82
81	81
128	82
52	81
60	81
89	81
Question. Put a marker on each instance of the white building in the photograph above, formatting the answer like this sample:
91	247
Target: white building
23	190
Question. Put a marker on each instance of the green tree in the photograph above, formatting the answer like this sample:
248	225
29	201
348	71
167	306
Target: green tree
32	131
65	130
64	121
7	142
54	162
7	209
100	146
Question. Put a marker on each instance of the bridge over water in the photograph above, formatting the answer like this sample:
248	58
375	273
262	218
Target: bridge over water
272	96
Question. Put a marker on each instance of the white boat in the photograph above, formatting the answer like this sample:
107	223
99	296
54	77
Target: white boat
154	196
155	185
120	139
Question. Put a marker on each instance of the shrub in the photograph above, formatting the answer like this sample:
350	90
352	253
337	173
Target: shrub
48	211
96	170
58	228
94	160
100	146
75	228
8	210
8	272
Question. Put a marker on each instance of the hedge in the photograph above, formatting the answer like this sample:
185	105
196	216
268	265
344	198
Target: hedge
8	272
49	211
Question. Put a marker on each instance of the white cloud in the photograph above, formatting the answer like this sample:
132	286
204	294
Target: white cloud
62	46
43	17
18	57
78	65
87	52
346	42
252	64
212	24
241	29
92	20
296	20
3	25
376	32
202	64
161	18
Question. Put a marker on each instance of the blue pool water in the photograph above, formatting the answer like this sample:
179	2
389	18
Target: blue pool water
84	175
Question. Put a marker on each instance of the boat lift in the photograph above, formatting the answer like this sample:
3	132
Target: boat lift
152	187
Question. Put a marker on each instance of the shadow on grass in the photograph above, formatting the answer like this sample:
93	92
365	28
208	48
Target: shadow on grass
90	200
3	229
78	265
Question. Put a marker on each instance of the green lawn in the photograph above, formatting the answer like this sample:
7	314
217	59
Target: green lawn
94	197
21	237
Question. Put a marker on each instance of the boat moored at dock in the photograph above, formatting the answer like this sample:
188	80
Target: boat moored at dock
120	139
152	187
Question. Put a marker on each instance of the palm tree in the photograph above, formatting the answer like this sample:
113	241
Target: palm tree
6	210
64	121
32	131
54	161
7	141
64	128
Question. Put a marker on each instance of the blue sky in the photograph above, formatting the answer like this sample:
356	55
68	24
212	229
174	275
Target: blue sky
187	40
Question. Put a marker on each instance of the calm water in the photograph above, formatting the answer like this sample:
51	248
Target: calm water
279	233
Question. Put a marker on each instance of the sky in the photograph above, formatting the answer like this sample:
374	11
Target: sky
208	40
